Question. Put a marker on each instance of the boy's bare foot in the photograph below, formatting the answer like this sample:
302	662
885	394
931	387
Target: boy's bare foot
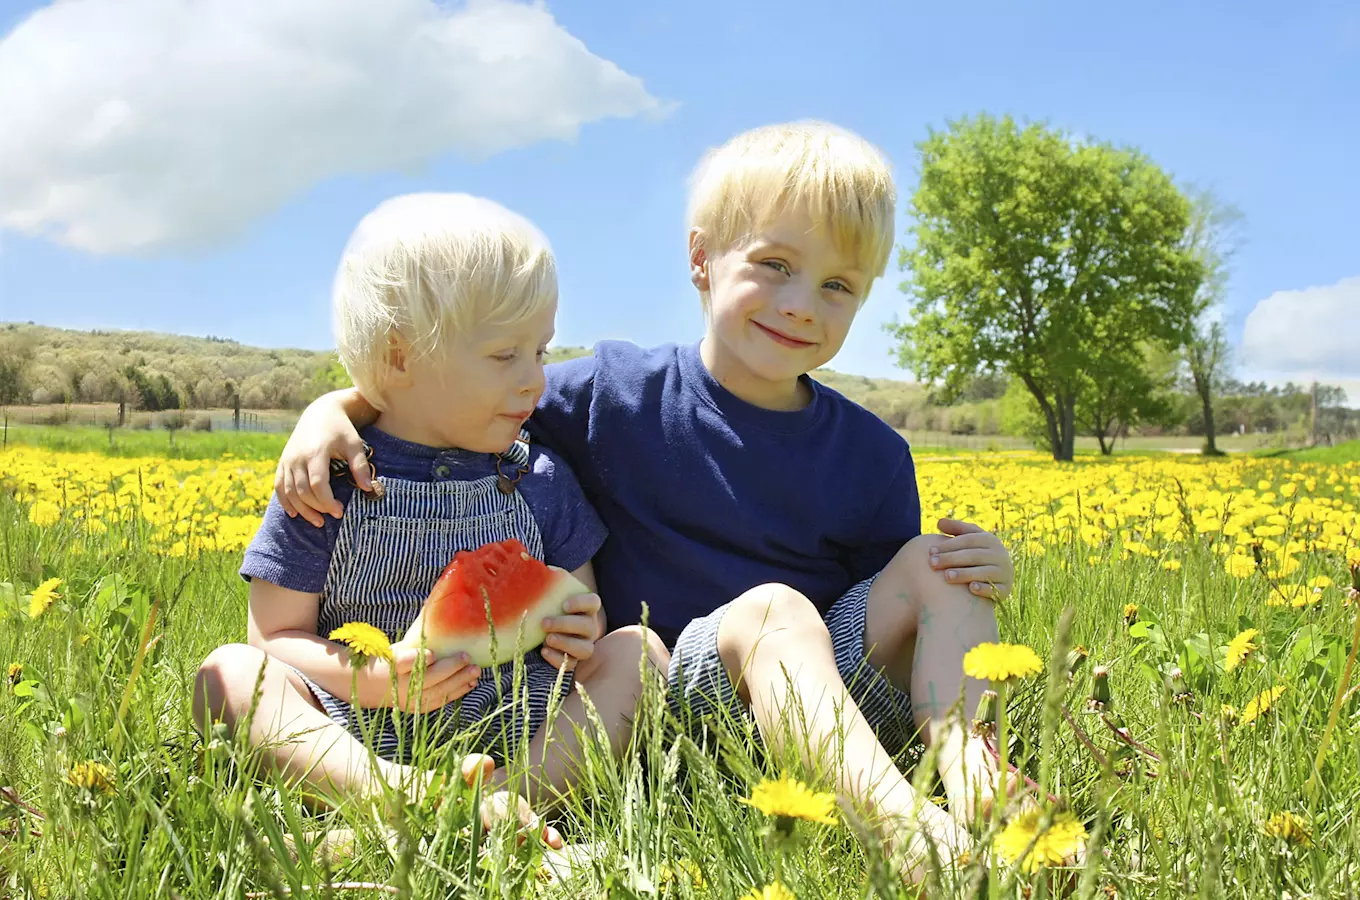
500	805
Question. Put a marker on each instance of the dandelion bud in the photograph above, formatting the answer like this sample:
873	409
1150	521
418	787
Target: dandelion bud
1355	578
1076	658
1174	681
1101	699
1257	553
1229	715
985	717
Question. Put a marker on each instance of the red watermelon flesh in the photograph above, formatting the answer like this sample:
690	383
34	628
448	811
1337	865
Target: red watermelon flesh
519	590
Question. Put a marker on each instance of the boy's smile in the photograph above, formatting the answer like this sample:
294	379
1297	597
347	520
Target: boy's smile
779	305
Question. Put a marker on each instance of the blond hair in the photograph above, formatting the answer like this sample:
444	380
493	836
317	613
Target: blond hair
839	179
421	268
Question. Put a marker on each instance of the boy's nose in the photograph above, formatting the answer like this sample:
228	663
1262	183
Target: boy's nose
534	381
798	305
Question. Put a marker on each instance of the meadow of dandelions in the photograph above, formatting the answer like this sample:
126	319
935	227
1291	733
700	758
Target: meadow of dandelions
1175	693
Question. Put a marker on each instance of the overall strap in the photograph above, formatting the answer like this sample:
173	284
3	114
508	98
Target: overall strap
516	460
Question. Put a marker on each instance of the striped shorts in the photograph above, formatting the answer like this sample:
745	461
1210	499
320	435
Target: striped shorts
700	689
497	717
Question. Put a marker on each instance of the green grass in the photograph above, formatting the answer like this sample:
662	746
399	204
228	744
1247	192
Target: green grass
186	819
128	442
1348	451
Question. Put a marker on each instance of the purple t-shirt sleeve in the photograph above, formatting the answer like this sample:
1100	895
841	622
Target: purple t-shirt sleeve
897	520
571	529
291	552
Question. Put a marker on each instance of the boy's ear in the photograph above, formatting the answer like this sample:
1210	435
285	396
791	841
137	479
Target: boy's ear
698	259
397	358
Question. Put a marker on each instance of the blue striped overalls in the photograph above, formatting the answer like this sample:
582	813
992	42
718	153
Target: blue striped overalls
388	555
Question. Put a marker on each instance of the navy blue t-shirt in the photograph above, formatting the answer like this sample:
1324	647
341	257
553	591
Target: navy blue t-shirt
706	496
295	555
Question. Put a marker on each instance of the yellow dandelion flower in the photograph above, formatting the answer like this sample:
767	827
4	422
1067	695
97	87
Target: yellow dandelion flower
774	891
1130	613
686	867
1022	840
1322	581
1171	565
1239	648
1353	557
16	672
1001	662
789	798
364	640
42	597
1290	828
44	513
1261	704
94	777
1239	565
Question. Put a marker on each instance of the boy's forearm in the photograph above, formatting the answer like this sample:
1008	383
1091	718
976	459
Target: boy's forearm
326	663
356	407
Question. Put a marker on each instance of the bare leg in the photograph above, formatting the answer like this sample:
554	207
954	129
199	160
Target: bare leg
918	629
301	742
612	679
306	746
777	651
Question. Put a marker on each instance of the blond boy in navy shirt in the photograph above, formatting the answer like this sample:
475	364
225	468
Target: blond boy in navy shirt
772	526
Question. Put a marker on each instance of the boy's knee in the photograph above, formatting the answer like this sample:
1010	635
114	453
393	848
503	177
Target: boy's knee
623	649
766	611
912	562
219	672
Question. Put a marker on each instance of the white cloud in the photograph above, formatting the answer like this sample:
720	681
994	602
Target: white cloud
1305	335
136	126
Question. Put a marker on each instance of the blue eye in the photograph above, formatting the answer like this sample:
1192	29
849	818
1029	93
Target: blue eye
777	265
838	286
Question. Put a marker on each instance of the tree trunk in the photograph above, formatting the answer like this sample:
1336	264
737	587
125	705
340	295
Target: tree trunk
1050	417
1105	449
1210	433
1067	428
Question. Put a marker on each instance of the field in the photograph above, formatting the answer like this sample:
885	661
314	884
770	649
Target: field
1213	592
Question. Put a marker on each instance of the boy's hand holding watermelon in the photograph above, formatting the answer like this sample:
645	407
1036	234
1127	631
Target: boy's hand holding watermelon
443	681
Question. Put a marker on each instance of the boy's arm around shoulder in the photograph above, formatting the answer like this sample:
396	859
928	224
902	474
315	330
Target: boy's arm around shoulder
328	429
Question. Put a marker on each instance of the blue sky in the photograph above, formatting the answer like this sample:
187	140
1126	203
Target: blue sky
147	188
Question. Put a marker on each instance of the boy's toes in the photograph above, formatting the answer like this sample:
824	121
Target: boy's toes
503	805
477	765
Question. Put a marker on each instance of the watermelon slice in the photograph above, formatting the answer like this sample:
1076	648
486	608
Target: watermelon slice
518	590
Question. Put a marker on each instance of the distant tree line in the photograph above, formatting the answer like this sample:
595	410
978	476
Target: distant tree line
156	372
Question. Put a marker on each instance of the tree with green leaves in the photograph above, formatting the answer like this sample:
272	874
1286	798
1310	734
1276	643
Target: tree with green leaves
1125	387
16	361
1037	254
1211	239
